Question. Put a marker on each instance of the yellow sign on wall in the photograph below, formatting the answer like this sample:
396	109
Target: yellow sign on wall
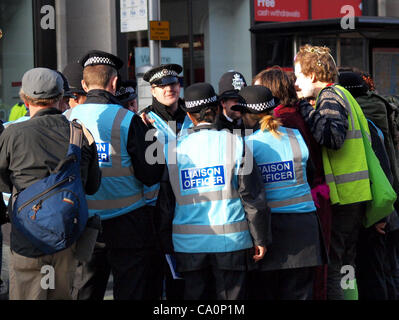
159	30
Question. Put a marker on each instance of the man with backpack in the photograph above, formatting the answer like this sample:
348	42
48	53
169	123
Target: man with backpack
31	152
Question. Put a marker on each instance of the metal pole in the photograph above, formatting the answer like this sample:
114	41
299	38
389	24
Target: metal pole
154	13
190	39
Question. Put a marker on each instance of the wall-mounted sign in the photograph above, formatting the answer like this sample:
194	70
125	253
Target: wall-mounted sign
134	15
335	9
159	30
281	10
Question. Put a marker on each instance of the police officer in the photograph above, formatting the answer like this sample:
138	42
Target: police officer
127	95
166	108
212	203
121	146
286	272
230	84
167	116
74	73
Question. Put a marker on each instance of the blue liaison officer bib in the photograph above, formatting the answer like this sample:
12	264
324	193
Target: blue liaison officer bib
103	151
277	171
195	178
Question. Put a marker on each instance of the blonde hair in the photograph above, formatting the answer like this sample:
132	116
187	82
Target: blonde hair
318	61
268	123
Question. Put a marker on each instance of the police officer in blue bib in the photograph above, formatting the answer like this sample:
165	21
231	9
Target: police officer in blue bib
167	116
286	272
128	231
213	211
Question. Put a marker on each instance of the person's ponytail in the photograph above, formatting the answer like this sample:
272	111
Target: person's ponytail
269	123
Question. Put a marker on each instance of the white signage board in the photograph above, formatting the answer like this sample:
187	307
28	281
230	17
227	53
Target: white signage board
134	15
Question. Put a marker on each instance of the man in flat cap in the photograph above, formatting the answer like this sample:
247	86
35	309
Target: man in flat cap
29	151
127	227
230	84
74	73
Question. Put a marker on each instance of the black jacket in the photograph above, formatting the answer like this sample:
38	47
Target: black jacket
29	150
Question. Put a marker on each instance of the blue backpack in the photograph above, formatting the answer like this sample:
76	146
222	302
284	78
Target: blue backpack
52	212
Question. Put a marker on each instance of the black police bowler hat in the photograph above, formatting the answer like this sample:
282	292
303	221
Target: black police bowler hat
163	75
198	96
353	82
67	90
230	84
74	73
256	99
97	57
127	91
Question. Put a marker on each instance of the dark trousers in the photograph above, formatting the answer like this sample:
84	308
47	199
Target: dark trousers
285	284
376	264
136	273
346	222
92	277
212	283
174	288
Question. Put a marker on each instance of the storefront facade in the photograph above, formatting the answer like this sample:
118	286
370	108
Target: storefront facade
357	38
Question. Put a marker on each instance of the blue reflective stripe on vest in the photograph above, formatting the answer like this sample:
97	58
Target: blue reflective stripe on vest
282	163
205	184
120	192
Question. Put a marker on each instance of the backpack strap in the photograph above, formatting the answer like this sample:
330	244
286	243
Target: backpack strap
76	135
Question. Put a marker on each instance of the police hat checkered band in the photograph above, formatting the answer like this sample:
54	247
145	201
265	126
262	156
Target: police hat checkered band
163	73
99	60
259	106
196	103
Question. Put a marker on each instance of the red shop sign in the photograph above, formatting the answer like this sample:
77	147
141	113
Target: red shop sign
281	10
332	9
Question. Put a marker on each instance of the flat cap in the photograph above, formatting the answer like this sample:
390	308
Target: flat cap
163	75
97	57
256	99
74	73
230	84
42	83
198	96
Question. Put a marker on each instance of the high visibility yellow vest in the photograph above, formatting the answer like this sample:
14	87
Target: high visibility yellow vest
17	111
346	169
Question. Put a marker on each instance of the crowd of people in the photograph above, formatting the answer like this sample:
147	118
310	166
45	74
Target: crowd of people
257	191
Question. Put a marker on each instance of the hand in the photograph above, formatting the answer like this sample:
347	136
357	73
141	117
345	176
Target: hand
380	227
259	253
147	121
